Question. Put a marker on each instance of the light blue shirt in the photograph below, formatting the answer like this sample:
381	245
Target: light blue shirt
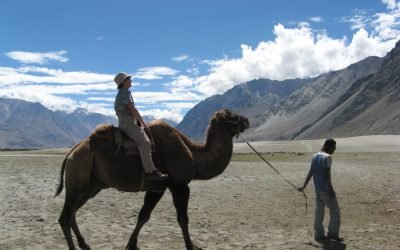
123	97
320	164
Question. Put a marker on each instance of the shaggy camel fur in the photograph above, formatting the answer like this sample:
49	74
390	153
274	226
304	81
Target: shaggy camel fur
96	164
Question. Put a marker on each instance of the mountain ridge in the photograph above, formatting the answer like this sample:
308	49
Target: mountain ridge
26	124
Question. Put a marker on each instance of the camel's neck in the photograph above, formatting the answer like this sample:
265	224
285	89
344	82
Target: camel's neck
212	158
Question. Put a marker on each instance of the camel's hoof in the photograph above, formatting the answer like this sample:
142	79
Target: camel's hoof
132	248
84	246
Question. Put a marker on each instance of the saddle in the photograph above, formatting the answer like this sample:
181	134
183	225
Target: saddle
129	145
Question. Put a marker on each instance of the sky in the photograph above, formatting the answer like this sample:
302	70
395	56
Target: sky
65	54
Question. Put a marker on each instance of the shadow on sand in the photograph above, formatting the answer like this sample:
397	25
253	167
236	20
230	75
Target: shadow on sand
334	245
329	245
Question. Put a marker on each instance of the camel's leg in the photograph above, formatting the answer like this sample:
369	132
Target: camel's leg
180	195
77	189
95	189
81	240
150	201
66	219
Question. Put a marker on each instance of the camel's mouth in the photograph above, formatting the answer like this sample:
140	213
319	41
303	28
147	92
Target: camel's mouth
243	124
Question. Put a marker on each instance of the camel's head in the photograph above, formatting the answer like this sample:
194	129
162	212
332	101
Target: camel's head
233	122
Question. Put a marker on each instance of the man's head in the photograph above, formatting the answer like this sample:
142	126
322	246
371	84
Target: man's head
329	146
120	78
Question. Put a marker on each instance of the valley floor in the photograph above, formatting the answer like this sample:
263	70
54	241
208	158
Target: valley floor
248	207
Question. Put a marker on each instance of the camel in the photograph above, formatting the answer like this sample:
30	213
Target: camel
96	163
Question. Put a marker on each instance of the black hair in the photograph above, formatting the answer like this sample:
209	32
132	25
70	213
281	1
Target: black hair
329	143
120	86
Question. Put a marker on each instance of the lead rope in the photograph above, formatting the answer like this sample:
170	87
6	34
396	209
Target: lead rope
304	194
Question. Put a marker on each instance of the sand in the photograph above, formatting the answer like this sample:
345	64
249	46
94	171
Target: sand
247	207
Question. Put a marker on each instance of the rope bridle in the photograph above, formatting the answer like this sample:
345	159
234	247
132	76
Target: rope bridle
290	183
237	123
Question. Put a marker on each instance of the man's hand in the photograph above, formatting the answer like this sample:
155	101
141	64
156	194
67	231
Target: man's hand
300	189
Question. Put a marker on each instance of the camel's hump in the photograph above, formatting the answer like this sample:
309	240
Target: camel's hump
103	128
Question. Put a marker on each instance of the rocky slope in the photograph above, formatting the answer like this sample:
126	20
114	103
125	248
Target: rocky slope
31	125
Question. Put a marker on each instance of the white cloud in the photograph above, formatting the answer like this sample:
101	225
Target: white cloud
171	114
180	58
359	20
47	75
303	52
179	105
182	83
391	4
386	24
316	19
153	97
153	73
36	57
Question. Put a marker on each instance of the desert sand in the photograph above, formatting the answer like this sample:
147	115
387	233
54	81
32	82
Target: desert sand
247	207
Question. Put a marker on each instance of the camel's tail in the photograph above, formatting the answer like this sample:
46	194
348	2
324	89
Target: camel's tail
61	185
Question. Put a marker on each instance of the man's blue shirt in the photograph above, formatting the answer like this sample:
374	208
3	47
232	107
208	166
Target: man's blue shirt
320	167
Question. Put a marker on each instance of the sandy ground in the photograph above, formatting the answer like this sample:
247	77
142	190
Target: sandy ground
247	207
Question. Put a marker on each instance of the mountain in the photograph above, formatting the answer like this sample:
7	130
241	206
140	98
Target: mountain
148	118
370	107
366	103
296	116
250	98
362	99
31	125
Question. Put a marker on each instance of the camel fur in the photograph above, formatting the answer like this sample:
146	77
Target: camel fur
96	163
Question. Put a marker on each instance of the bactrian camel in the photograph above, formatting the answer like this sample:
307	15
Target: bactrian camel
97	163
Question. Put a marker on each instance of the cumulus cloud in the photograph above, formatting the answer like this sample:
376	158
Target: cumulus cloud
153	73
303	52
37	57
391	4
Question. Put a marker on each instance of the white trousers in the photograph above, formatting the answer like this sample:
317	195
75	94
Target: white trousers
323	199
128	124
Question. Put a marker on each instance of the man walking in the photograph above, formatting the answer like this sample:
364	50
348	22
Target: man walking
320	170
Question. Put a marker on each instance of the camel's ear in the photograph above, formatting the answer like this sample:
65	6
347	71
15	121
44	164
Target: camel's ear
218	116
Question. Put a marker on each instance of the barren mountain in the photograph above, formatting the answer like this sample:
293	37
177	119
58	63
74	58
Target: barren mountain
250	99
294	116
370	107
31	125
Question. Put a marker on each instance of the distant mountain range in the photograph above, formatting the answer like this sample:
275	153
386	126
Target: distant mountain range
362	99
251	98
31	125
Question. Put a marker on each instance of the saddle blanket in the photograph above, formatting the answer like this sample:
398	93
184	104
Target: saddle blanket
128	144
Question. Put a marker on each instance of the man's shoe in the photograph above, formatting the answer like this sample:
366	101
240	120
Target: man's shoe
335	238
156	176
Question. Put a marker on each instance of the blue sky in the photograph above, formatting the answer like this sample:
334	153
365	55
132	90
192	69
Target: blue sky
64	54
